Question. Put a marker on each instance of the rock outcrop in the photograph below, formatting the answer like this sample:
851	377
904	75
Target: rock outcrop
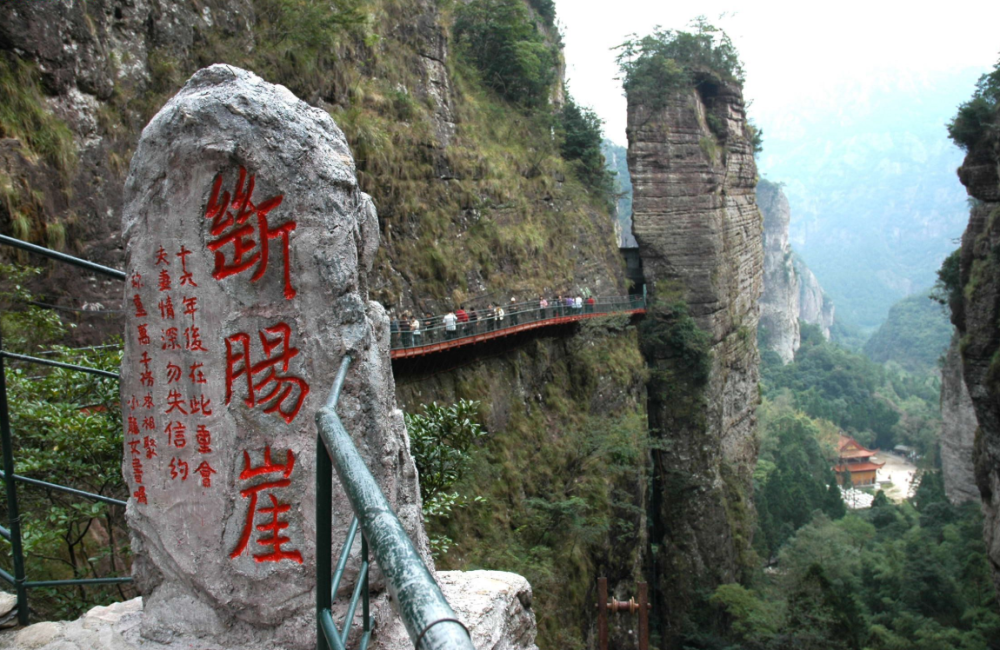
958	431
779	306
815	307
976	317
699	233
494	606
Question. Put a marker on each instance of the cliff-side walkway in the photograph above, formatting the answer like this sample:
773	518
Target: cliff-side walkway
433	336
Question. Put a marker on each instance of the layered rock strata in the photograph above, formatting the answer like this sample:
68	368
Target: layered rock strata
976	318
699	234
779	305
958	430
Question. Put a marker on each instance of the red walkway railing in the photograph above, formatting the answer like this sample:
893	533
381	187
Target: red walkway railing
433	336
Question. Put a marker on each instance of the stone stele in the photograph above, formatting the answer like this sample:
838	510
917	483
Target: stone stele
248	248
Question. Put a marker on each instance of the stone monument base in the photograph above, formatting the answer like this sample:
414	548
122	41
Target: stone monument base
495	606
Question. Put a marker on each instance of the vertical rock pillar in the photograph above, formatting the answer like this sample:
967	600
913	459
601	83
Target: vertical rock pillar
248	248
699	233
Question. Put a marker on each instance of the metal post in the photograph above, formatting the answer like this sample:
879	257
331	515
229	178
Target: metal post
643	617
13	515
366	621
602	613
324	538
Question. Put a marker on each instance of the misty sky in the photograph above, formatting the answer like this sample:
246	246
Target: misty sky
798	55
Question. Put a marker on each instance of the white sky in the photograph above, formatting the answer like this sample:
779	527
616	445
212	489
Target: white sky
795	53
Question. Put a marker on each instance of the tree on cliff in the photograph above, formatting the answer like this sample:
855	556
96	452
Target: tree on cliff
580	135
506	47
978	120
667	60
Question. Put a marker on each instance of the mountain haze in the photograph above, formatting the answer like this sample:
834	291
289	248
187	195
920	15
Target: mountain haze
870	176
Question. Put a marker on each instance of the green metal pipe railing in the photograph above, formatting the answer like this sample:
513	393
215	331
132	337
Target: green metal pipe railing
429	619
63	257
12	533
59	364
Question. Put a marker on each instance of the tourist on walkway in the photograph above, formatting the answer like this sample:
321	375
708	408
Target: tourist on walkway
569	305
417	336
500	315
543	304
404	328
490	315
393	333
449	321
513	311
578	304
473	319
428	327
557	304
463	319
590	305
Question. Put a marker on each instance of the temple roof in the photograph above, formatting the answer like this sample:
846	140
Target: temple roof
848	447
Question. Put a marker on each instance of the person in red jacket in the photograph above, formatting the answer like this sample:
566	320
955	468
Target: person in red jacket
463	319
590	305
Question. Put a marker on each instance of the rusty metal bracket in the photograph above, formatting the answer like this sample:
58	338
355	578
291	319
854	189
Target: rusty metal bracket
631	606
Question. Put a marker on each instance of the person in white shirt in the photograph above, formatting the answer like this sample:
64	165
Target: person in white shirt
449	321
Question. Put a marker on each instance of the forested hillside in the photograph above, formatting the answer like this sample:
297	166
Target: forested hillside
915	335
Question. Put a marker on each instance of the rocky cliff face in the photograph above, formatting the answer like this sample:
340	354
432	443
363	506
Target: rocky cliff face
958	430
475	205
815	307
699	234
779	306
442	169
977	319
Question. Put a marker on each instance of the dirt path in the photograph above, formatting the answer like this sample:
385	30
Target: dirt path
899	472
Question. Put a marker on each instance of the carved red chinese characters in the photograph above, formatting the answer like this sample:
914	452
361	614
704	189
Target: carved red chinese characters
278	476
249	247
278	393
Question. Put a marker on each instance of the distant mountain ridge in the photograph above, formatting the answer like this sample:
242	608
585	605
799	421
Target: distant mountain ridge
871	180
615	159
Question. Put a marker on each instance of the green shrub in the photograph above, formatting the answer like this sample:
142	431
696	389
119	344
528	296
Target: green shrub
979	118
441	439
670	332
948	288
654	66
67	430
546	9
504	44
580	135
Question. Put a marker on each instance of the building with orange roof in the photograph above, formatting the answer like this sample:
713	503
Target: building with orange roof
856	459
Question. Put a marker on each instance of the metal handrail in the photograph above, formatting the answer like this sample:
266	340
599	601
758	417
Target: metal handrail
426	614
63	257
12	533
